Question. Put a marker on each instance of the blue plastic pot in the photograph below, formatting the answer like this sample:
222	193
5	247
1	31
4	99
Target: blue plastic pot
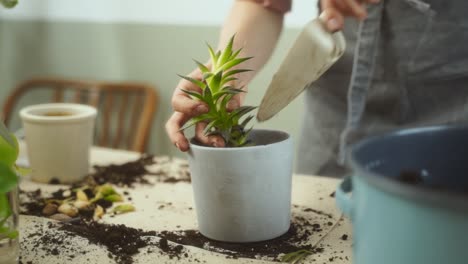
395	222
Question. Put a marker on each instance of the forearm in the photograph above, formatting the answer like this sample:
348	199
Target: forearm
257	31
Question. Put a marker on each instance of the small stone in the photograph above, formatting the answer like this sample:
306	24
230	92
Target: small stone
60	217
66	193
49	209
81	196
68	209
98	212
81	204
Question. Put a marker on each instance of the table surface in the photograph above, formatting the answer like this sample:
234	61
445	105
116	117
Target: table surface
177	214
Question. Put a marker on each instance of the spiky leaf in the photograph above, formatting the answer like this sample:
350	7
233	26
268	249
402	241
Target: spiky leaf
194	81
232	63
236	71
194	120
227	52
193	94
226	80
214	59
202	67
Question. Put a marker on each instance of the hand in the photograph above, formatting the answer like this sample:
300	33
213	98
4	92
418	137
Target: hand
186	108
334	11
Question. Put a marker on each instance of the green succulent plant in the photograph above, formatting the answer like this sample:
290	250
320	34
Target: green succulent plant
216	91
8	179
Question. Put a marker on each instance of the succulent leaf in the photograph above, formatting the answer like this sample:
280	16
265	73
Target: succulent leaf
202	67
218	89
194	81
193	94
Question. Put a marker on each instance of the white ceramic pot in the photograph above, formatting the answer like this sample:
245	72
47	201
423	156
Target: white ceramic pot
243	194
58	138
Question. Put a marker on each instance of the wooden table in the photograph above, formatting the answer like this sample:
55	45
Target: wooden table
177	214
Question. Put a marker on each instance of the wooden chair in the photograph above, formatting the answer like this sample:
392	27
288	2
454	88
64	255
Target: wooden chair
125	110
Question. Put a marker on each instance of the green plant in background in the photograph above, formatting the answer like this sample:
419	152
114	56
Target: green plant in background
9	3
216	91
8	179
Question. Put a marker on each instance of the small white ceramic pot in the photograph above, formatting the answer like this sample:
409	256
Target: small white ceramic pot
58	139
243	194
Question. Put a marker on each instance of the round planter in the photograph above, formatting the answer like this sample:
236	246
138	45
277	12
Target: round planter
243	194
9	240
58	145
394	221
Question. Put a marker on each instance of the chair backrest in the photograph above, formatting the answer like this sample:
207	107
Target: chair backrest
125	109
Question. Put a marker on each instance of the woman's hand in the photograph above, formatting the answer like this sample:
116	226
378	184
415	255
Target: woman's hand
334	11
186	108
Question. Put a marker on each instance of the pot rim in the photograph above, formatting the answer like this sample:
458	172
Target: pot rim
81	112
287	138
422	194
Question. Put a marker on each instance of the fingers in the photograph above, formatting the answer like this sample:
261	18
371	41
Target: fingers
181	102
215	141
355	8
334	11
173	125
333	19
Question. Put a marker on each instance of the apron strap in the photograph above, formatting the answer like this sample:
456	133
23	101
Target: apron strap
362	72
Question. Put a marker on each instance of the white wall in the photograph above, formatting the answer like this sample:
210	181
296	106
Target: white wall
183	12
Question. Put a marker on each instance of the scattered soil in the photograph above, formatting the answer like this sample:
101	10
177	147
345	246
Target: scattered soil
124	242
130	173
287	243
121	241
126	174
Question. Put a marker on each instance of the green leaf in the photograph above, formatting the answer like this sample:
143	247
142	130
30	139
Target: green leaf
202	67
5	210
227	52
113	198
8	146
227	91
246	121
226	80
195	120
234	55
106	189
12	234
295	257
123	208
243	110
215	82
214	60
193	94
208	127
207	75
233	63
194	81
8	178
9	3
236	71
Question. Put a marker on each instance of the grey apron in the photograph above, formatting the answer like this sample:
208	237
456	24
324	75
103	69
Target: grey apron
406	65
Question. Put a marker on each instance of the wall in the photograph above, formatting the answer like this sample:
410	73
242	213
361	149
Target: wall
119	40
